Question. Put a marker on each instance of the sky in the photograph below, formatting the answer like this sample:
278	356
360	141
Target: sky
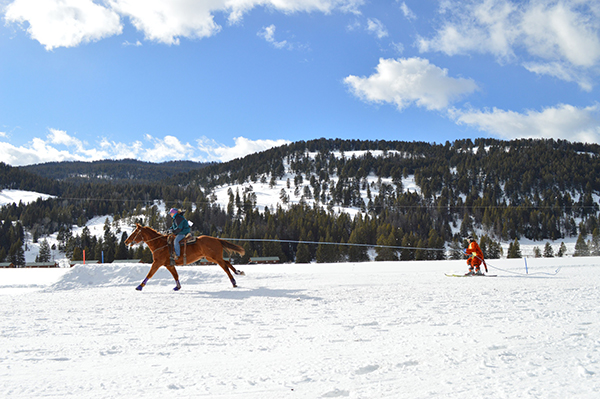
214	80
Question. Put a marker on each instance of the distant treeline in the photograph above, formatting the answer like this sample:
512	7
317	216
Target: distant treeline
536	189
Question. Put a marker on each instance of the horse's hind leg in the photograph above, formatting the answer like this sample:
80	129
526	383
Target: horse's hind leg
223	264
233	269
175	276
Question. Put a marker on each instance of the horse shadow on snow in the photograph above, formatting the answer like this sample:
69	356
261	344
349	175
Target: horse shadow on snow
245	293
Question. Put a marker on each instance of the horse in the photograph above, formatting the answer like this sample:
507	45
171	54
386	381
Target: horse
207	247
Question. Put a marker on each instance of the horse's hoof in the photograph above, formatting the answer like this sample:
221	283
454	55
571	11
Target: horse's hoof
139	287
177	288
241	273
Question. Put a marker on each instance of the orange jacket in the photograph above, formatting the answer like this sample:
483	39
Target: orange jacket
473	249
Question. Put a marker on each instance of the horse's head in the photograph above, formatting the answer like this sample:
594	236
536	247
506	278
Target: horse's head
135	237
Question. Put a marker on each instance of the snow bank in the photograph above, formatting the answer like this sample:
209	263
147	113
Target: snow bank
119	275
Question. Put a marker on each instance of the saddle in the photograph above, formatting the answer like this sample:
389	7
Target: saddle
188	239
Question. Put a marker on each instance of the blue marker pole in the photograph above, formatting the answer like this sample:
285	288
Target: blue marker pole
526	270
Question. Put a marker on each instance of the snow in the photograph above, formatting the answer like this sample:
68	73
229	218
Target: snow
16	196
357	330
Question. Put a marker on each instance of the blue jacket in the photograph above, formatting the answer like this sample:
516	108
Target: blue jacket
180	225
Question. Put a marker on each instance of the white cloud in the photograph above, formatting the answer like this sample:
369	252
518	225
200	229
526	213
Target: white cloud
68	23
59	146
410	80
121	150
167	148
480	26
268	34
167	21
218	152
560	38
62	138
375	27
137	43
561	70
407	12
561	122
560	31
64	23
397	47
40	151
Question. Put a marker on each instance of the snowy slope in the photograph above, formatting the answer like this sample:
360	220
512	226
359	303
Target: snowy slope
16	196
369	330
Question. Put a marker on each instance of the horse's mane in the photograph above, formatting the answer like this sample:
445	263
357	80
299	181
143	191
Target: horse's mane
151	229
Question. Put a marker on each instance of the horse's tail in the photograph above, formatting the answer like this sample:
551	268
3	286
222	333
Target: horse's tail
229	247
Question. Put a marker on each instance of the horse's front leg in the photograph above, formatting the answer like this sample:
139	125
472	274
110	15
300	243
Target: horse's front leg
153	269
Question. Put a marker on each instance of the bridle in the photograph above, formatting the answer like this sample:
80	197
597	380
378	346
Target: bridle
139	230
138	233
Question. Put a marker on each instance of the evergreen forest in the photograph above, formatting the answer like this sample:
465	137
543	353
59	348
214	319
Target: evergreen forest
340	199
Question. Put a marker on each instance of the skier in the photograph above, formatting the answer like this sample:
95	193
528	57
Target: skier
475	257
180	227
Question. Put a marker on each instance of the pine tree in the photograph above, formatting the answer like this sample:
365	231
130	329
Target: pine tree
514	250
357	253
384	253
581	247
466	227
594	245
456	250
44	254
17	254
420	253
77	254
144	254
490	248
562	250
122	248
326	252
548	251
302	253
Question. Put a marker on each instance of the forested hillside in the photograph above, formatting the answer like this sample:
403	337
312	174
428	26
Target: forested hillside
346	191
126	169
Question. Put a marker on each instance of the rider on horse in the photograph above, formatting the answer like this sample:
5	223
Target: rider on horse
180	227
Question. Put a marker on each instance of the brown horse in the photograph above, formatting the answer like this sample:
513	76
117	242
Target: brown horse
207	247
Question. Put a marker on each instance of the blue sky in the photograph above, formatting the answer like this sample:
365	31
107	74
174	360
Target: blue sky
215	80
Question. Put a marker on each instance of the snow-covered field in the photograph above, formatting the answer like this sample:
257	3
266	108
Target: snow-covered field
367	330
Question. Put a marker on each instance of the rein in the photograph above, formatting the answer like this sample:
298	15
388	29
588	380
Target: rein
152	239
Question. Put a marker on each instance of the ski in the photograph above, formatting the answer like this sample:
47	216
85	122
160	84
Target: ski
472	275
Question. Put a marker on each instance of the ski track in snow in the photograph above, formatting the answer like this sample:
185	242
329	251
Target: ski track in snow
367	330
